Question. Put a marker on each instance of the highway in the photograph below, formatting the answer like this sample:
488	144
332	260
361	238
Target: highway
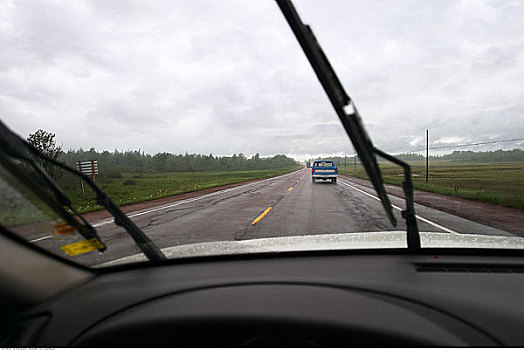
287	205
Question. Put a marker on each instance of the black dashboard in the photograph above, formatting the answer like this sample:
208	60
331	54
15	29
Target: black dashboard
322	299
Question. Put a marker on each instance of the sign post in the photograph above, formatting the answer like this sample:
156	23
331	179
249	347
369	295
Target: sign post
427	154
88	168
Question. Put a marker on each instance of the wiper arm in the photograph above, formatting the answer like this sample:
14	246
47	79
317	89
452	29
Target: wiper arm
348	115
413	236
13	147
56	202
17	148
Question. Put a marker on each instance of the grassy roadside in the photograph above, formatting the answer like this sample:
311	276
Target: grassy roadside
499	183
133	188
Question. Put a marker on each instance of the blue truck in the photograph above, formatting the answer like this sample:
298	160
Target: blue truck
324	170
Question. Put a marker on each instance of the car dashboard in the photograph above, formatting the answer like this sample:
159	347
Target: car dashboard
363	298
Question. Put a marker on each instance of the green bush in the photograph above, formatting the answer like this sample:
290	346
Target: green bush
113	174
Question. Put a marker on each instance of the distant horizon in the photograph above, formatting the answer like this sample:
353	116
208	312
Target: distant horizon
326	156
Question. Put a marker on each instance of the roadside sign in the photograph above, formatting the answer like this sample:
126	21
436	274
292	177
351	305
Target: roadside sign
88	168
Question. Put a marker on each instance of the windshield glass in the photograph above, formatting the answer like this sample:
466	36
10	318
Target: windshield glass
202	121
20	209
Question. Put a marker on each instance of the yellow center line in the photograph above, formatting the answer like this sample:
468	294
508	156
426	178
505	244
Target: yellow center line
289	189
261	215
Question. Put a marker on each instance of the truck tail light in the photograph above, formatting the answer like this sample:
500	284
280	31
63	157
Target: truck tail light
312	171
336	170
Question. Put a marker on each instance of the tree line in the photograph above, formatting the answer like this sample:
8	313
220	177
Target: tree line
138	161
471	156
112	164
489	156
462	156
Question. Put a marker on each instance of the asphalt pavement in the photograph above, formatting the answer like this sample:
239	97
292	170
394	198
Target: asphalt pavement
286	205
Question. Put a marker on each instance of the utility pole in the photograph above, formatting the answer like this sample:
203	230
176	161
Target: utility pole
345	163
355	163
427	154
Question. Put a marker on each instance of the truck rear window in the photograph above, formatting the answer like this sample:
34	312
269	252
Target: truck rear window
323	164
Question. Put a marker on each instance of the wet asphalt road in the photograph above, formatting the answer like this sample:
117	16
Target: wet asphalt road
293	205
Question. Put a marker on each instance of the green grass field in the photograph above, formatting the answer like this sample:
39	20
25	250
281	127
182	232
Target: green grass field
134	188
495	182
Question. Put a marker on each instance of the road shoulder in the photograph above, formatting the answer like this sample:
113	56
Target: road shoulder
497	216
103	214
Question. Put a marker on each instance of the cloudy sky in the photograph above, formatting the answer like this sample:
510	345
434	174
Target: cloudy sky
228	76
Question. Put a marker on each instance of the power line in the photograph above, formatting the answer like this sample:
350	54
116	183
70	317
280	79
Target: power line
469	144
457	146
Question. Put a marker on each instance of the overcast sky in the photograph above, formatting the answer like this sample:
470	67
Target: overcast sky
226	77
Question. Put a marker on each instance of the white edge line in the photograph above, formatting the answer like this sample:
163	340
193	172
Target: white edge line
398	208
106	222
40	239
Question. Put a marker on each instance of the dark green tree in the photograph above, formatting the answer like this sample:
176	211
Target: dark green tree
45	142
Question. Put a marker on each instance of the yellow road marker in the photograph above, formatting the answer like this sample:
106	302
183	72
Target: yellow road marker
289	189
261	215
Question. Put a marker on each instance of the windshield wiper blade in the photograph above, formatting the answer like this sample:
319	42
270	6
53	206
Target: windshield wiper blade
349	116
56	204
13	147
18	148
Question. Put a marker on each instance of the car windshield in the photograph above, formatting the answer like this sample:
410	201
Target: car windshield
136	131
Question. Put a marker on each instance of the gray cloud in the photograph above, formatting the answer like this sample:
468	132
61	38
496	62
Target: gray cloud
226	77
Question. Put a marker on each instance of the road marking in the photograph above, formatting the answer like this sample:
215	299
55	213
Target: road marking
110	221
398	208
102	223
261	215
40	239
106	222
